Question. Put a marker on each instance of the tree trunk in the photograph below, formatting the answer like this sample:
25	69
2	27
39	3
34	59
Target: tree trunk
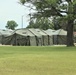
70	41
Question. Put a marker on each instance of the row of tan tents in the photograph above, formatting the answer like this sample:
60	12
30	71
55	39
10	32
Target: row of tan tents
32	37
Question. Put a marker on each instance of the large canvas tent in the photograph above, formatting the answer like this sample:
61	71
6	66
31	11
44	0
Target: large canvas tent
32	37
4	34
60	36
50	34
23	37
26	37
57	36
45	40
37	36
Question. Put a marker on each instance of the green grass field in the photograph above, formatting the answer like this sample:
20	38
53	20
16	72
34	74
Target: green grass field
37	60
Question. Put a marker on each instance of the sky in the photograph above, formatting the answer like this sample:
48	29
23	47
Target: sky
12	10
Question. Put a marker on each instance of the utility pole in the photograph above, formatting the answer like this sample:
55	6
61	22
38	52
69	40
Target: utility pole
22	21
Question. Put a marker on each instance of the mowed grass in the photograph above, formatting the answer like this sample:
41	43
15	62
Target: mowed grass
37	60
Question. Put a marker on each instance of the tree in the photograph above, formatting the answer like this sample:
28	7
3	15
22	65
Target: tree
60	22
42	23
55	8
11	25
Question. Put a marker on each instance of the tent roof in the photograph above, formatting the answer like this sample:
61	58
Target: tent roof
56	32
35	32
6	32
50	32
24	32
40	32
61	32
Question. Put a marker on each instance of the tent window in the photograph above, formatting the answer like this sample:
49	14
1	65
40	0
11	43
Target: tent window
24	33
38	31
53	31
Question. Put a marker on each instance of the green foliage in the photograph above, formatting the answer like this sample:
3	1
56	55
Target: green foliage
62	22
11	25
42	23
52	7
22	1
52	2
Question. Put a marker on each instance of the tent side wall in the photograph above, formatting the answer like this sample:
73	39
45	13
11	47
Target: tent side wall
7	40
49	32
50	40
59	39
33	41
62	39
20	40
55	39
39	41
38	37
1	39
45	40
44	37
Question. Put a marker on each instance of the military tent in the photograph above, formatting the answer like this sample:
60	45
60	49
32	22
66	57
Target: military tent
27	37
23	37
60	36
45	40
32	37
4	34
50	33
37	36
